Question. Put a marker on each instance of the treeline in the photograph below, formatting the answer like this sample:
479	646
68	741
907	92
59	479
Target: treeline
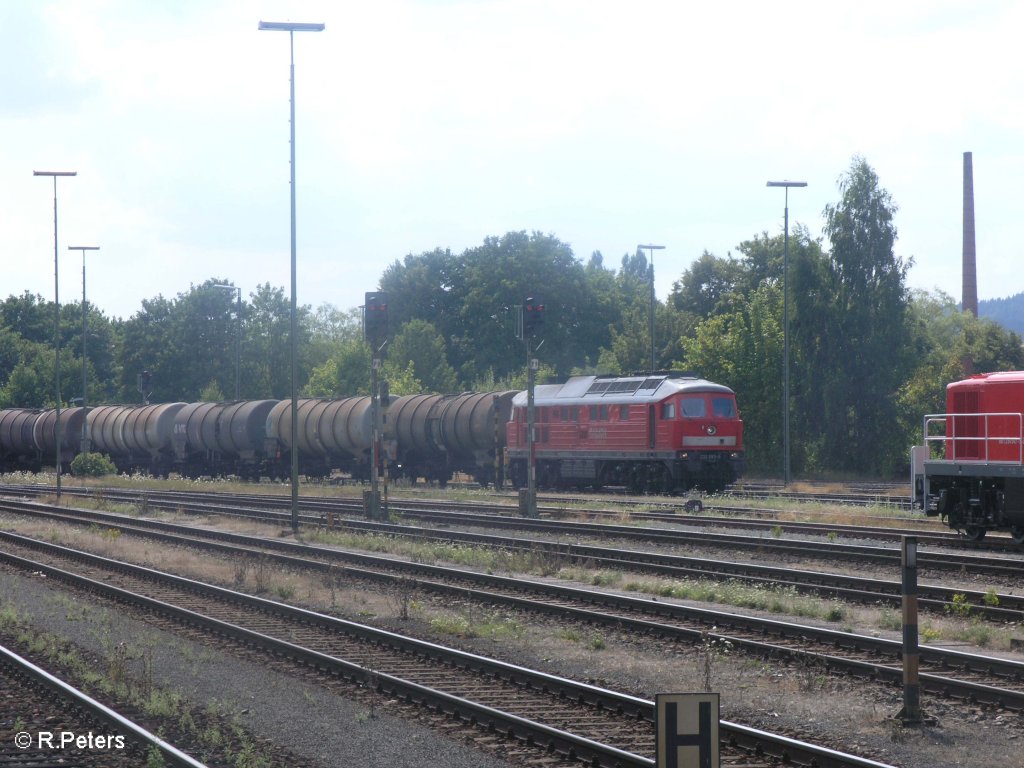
868	357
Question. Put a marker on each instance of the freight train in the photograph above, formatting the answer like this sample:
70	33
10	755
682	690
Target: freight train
970	468
650	433
423	436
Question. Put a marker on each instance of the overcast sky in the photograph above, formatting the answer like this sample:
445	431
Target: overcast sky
427	124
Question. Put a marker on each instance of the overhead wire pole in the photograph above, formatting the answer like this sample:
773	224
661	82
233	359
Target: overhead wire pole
86	443
650	269
291	28
785	328
56	322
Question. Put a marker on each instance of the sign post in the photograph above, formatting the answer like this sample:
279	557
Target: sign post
687	730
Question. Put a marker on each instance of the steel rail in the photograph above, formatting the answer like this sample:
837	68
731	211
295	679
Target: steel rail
97	710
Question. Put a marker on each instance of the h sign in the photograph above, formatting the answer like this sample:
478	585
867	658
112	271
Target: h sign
687	730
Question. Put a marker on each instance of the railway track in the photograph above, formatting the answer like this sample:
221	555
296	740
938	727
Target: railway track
990	605
588	723
983	679
45	722
318	510
765	523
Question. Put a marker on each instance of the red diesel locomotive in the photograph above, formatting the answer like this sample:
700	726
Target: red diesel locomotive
652	433
970	470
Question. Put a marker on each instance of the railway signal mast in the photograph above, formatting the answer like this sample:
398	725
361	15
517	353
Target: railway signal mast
532	327
375	329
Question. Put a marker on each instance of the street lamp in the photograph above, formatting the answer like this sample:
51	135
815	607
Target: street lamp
85	381
291	28
652	249
785	328
56	318
238	328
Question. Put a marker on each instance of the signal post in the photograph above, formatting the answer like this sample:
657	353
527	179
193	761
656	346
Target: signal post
532	325
375	329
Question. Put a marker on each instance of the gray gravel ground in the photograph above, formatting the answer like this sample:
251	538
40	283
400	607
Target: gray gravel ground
301	717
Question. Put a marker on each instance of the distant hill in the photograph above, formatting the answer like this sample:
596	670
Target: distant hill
1008	312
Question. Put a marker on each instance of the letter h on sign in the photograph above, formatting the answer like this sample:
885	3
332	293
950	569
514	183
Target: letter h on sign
687	730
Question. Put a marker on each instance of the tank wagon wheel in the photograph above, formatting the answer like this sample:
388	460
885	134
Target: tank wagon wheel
974	533
1017	534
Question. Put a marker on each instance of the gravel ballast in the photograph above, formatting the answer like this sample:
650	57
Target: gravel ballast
324	728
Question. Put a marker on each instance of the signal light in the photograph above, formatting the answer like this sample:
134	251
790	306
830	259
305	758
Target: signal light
375	318
533	316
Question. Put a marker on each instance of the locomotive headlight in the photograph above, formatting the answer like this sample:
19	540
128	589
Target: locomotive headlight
712	429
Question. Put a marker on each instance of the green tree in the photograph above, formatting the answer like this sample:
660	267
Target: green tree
706	284
419	345
853	330
267	352
742	347
345	374
30	316
945	338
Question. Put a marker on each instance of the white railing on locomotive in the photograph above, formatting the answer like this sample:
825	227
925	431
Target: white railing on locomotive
937	442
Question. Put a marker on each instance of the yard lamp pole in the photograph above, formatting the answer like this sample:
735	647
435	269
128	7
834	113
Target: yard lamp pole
238	330
785	328
291	28
651	249
56	320
85	379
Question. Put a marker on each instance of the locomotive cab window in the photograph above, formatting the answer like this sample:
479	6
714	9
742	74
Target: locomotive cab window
693	407
723	407
668	410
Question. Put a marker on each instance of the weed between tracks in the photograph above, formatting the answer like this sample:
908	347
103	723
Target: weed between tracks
124	672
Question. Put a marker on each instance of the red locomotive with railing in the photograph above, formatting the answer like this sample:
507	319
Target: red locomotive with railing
970	469
650	433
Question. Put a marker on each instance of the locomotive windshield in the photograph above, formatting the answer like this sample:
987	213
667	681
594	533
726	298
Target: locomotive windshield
693	407
723	407
696	406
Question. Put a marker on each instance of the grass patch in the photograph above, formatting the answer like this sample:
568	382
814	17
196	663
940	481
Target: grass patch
784	600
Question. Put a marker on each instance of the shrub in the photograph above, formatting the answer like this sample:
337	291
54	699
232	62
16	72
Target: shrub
92	465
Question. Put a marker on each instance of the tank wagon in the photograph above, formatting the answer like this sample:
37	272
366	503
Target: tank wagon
221	438
651	433
137	438
17	447
331	434
969	469
435	436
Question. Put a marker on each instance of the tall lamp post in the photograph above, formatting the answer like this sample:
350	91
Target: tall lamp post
291	28
650	267
56	320
238	330
785	328
86	443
